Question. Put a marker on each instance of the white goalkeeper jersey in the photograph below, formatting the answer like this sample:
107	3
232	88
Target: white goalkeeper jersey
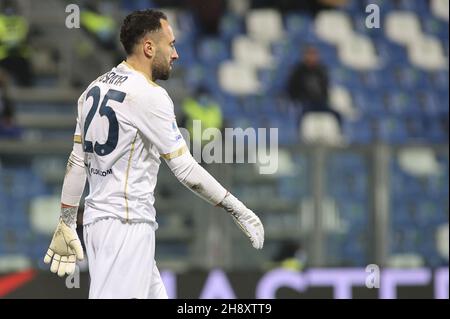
125	124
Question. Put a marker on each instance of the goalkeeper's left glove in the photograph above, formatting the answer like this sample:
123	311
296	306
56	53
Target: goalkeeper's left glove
247	220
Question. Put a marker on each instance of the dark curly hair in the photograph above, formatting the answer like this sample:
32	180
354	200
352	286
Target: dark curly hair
137	24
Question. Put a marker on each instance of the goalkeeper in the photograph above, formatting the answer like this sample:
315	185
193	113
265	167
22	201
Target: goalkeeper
125	124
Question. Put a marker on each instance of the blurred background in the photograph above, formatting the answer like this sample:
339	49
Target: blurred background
363	161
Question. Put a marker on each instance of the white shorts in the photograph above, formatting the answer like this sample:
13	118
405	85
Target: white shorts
121	259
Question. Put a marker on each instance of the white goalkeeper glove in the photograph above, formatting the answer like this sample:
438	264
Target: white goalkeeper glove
64	249
246	219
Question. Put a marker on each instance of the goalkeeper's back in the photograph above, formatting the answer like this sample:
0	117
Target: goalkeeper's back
125	123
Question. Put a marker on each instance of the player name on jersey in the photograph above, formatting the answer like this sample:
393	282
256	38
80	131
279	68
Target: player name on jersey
113	78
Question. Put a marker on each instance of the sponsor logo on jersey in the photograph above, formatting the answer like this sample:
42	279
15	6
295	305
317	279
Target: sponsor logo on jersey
96	171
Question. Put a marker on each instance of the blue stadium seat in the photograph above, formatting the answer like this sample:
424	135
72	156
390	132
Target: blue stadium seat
438	185
403	184
391	130
212	51
229	105
411	78
302	162
369	103
355	249
400	217
292	188
328	53
198	75
420	7
437	129
432	211
349	170
3	210
252	105
356	187
420	211
341	76
186	51
268	80
188	26
445	45
359	132
415	128
390	54
405	238
378	79
427	247
347	161
298	25
435	27
401	103
439	80
17	213
284	51
37	246
430	103
231	26
356	213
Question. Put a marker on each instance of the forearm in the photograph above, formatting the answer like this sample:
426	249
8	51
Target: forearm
73	186
197	179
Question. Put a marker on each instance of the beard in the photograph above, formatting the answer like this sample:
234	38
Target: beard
160	68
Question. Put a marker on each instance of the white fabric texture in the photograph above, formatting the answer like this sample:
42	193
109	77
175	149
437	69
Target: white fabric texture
121	260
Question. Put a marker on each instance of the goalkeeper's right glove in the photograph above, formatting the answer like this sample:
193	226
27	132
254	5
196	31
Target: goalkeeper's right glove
64	249
246	219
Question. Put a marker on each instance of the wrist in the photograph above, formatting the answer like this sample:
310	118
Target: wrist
69	215
231	204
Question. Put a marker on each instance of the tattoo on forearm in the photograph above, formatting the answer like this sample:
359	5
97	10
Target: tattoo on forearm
69	215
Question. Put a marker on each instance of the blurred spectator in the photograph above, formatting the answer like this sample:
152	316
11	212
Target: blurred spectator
308	84
97	20
8	129
208	14
291	255
204	108
14	51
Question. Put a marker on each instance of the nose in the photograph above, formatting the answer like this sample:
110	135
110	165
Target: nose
174	54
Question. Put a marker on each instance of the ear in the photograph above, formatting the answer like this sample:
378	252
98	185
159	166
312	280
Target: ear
149	48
